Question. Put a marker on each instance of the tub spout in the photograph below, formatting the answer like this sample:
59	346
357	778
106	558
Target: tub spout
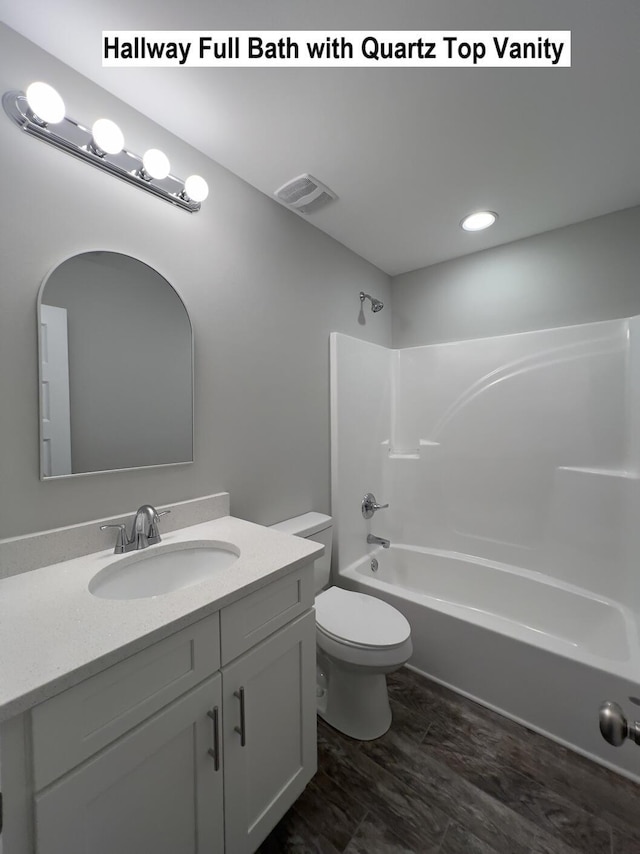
378	541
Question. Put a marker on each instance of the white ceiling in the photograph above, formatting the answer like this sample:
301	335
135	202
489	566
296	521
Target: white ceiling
408	151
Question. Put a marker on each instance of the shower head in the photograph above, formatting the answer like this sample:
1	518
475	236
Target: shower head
376	305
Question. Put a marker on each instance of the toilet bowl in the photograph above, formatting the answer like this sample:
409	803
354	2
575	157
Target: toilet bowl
359	639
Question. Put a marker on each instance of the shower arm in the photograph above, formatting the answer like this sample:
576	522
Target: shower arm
376	305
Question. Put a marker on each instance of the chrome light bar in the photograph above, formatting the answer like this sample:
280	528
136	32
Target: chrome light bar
76	139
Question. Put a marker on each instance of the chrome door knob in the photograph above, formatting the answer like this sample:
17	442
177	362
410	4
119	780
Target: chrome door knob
614	726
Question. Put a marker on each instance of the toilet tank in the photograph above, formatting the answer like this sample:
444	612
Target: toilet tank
318	528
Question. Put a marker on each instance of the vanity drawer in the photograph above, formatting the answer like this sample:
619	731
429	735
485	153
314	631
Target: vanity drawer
253	618
74	725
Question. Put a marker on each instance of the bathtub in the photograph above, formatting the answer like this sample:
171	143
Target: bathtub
539	651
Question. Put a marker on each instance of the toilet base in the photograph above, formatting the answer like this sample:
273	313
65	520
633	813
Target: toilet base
356	704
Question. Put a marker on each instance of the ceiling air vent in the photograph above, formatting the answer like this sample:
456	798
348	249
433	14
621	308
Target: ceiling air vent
305	194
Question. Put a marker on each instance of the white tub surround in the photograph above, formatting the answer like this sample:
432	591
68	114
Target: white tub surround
512	469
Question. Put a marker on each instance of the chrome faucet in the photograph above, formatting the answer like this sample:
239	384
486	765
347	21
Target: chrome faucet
378	541
144	530
369	505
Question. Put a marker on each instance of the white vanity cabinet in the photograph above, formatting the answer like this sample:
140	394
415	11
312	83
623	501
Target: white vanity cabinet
269	726
154	790
198	743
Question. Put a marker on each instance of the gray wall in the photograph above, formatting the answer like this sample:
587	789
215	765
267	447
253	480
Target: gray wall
578	274
263	287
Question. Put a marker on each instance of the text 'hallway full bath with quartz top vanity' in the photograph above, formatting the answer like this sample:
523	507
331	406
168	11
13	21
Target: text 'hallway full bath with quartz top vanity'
319	504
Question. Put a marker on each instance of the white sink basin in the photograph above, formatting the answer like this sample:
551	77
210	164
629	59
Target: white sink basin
162	569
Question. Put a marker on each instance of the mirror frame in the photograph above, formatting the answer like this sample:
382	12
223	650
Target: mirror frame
46	478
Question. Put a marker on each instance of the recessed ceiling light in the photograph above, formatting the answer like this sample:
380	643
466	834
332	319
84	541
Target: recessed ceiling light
479	220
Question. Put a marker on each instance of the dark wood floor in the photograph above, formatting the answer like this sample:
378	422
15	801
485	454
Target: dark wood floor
454	778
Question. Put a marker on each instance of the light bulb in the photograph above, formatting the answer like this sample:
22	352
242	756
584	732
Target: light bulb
479	220
45	102
156	163
196	188
107	136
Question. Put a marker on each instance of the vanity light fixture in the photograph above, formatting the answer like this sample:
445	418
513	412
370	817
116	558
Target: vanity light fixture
196	188
40	112
155	164
478	220
107	137
45	104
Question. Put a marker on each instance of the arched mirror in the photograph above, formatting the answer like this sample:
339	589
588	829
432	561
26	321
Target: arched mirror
116	368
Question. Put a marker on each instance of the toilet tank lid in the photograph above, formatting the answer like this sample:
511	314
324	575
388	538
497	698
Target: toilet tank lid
305	525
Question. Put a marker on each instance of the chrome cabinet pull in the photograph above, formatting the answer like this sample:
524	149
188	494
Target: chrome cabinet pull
215	750
241	730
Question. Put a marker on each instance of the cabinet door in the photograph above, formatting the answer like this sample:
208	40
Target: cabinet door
154	790
269	703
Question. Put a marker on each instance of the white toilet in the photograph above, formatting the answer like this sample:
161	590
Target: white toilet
359	639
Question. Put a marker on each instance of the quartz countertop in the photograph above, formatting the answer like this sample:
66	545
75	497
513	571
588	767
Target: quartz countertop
54	633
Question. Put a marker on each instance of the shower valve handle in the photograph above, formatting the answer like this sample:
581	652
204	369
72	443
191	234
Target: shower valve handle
614	726
369	505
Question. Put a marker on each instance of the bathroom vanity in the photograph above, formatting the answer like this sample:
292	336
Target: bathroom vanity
182	722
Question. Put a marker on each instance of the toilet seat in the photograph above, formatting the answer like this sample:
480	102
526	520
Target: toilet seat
360	620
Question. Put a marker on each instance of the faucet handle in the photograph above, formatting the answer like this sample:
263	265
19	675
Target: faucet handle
369	505
121	542
154	533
